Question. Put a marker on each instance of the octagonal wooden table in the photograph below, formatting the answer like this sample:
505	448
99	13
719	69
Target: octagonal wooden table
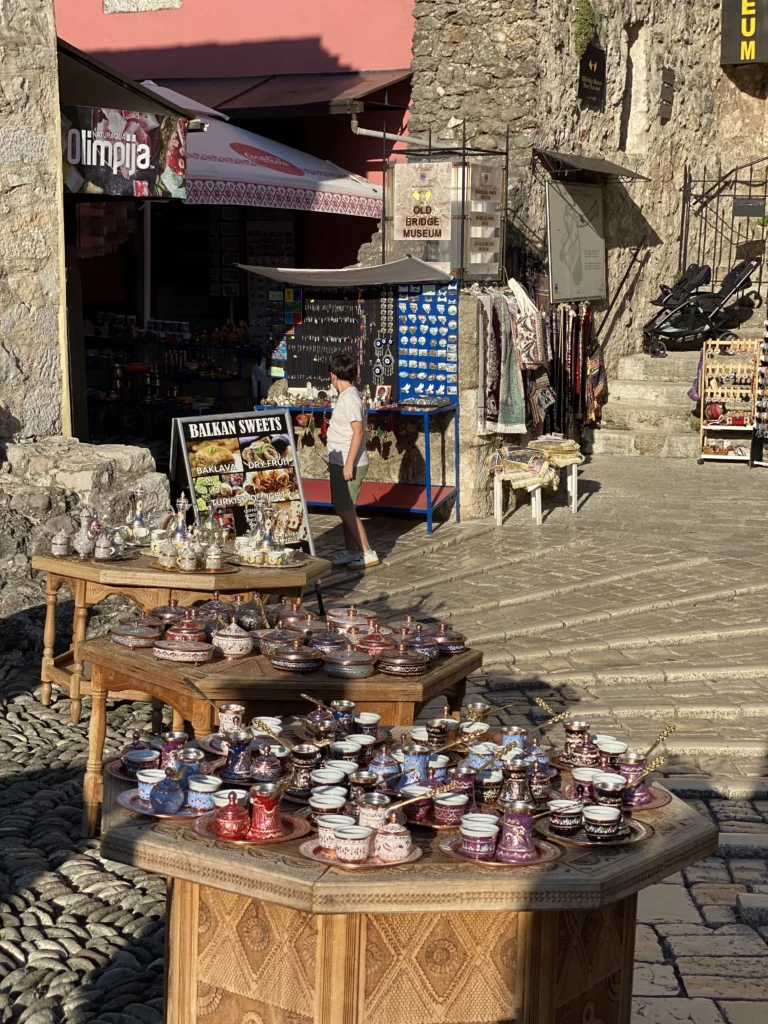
260	934
141	581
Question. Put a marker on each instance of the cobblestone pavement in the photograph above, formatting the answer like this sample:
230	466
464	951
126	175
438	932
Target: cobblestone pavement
645	608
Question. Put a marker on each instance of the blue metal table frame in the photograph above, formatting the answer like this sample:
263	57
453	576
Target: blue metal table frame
430	502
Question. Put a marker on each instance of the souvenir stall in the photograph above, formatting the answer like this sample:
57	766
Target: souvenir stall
162	320
327	863
400	322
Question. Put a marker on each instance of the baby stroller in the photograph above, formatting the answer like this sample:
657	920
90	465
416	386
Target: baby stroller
698	315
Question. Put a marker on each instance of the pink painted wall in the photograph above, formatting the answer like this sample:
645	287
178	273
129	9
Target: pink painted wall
209	38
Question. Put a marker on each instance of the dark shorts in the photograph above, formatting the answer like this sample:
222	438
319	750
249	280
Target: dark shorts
344	493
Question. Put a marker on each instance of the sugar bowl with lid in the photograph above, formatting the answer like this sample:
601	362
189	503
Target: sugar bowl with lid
233	641
392	841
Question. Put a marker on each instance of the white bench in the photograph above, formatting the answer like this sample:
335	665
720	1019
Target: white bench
572	486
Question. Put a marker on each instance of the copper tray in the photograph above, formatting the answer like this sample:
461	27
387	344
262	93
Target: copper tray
192	572
129	557
116	770
638	831
299	558
548	854
294	827
302	733
312	851
130	801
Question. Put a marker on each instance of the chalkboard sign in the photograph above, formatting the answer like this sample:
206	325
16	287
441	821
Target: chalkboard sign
232	459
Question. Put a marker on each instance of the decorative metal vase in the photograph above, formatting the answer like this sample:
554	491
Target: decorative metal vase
265	811
516	846
238	766
305	757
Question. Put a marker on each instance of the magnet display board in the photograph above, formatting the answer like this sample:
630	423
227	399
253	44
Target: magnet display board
576	242
232	458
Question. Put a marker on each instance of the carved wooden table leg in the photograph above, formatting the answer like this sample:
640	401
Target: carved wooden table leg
177	722
81	622
93	786
202	718
413	968
52	586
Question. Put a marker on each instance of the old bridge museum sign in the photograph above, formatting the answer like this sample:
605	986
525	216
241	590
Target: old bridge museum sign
422	202
744	32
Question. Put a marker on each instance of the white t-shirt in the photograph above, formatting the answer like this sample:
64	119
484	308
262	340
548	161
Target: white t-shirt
348	410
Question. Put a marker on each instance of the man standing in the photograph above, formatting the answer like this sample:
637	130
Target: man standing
348	463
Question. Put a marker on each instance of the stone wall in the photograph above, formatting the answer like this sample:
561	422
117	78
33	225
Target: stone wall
497	64
31	238
43	485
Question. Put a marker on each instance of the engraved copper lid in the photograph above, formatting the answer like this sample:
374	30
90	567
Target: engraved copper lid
231	811
187	628
280	635
136	632
447	636
136	743
328	639
400	656
422	640
375	641
232	630
150	621
217	606
350	655
345	618
296	654
294	617
383	759
407	622
312	626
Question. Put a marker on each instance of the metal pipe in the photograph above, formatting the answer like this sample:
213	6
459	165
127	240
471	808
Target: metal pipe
413	140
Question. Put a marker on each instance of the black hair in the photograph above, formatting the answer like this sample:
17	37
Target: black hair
344	366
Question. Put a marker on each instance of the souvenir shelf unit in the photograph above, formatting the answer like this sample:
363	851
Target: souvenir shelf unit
761	416
728	389
404	337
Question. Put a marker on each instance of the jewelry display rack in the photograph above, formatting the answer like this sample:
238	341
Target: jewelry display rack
728	388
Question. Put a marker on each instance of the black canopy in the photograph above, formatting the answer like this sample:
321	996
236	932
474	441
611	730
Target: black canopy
562	165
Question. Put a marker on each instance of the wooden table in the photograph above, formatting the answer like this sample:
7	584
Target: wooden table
263	935
91	581
254	683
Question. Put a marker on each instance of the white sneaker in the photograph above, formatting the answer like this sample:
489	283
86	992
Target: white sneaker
364	561
344	558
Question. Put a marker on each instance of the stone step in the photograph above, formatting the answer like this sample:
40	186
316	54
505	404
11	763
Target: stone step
666	419
641	442
655	392
680	366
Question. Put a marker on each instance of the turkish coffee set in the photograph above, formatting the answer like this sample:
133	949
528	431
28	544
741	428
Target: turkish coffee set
96	541
347	644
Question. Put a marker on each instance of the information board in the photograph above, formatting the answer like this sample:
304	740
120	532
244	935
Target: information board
576	242
233	459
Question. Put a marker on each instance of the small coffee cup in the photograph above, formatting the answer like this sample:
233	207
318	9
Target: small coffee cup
440	764
582	783
565	815
488	786
421	809
327	777
475	731
366	744
201	791
140	760
449	808
419	734
347	767
327	803
602	823
326	824
346	750
334	791
608	788
477	818
366	722
478	841
147	778
372	810
610	753
230	717
353	843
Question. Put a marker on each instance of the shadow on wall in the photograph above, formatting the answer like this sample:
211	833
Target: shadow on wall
270	57
752	80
